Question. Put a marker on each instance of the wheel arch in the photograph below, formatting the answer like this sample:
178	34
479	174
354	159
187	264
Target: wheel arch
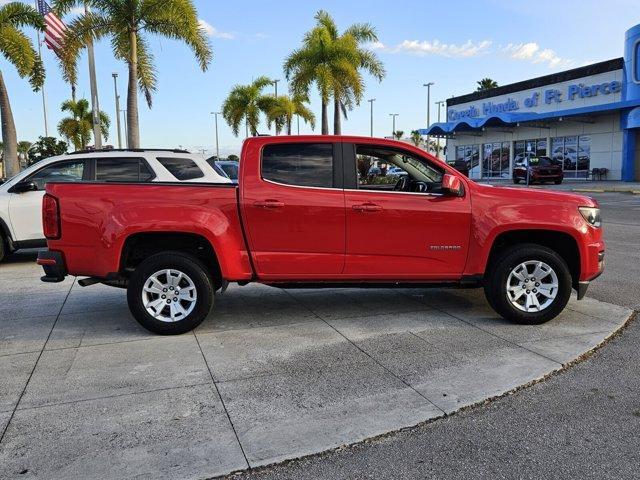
561	242
139	246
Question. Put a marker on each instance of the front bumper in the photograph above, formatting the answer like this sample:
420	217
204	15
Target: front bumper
584	284
53	265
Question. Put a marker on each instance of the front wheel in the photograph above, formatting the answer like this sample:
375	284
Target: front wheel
530	284
516	180
170	293
558	181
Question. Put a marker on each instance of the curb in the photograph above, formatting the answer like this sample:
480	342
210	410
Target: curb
608	190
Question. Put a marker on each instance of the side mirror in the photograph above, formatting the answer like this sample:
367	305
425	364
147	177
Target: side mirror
452	185
24	186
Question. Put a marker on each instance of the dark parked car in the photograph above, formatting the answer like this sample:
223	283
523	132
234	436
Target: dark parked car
541	169
227	168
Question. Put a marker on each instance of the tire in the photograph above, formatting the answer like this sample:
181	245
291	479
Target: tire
516	180
3	247
557	182
188	274
509	267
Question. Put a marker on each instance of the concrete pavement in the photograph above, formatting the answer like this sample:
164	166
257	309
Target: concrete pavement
271	375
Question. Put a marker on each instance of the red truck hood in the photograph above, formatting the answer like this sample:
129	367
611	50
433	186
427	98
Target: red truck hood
535	195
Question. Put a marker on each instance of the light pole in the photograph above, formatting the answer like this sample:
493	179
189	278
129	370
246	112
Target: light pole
215	114
393	116
428	85
275	84
115	87
440	103
126	130
371	100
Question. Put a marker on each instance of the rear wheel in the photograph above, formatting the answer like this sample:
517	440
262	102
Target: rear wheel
516	180
3	247
170	293
530	284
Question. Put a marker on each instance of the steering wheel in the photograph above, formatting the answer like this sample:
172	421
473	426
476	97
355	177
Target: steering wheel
402	185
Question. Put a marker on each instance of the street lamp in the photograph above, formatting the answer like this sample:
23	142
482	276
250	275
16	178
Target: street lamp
126	130
371	100
393	116
428	85
275	84
440	104
115	87
215	114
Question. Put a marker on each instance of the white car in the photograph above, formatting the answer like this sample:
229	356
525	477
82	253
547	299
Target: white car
21	196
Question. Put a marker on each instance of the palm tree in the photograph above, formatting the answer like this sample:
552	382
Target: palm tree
245	103
283	108
125	22
332	62
398	134
416	138
78	128
486	84
345	94
18	50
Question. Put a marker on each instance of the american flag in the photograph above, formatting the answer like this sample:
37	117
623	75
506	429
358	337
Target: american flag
55	28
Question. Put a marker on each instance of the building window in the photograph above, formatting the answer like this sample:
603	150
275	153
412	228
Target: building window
495	160
574	152
471	155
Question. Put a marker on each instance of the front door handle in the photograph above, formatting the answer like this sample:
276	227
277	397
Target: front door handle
367	207
268	204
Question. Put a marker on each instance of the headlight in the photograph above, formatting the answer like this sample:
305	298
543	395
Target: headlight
591	216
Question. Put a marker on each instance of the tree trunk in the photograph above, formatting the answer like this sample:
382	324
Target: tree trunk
325	119
337	129
9	137
133	134
289	120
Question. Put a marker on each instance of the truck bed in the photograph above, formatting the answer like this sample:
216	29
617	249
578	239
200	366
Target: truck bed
96	219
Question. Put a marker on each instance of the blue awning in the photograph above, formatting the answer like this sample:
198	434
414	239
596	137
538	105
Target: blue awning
512	118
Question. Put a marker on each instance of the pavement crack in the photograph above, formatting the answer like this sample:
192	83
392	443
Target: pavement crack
35	365
384	367
224	406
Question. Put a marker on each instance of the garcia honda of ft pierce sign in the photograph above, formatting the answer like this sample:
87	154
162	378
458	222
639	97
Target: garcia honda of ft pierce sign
549	96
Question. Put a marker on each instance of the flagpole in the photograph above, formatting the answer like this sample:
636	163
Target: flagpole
44	97
95	106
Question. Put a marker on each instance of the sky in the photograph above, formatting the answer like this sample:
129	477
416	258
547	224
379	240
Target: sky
451	43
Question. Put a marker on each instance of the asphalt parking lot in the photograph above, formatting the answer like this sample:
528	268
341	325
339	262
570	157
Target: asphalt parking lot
85	392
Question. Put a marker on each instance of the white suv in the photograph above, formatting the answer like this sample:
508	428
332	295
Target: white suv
21	196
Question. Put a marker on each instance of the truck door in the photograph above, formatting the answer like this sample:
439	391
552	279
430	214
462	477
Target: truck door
293	209
399	224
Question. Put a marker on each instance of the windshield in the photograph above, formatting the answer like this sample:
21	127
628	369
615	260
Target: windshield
541	162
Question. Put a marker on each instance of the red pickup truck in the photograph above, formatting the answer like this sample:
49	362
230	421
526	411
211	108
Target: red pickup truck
323	211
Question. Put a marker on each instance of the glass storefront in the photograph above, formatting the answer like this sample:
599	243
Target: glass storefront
471	155
574	152
495	160
534	146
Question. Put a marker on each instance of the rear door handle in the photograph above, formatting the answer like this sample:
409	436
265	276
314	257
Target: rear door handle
268	204
367	207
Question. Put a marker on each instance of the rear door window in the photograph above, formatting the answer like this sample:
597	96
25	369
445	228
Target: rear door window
181	168
301	164
123	170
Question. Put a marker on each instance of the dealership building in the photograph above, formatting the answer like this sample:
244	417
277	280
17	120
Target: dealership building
587	118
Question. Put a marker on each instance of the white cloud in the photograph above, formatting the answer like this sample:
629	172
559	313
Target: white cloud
213	31
532	52
435	47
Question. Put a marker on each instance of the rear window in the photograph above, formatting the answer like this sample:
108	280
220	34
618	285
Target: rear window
302	164
123	170
181	168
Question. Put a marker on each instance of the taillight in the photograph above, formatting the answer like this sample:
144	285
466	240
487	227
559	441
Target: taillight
50	217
